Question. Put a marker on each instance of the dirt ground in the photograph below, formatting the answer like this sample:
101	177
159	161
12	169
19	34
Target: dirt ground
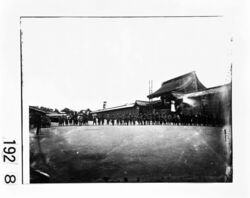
128	154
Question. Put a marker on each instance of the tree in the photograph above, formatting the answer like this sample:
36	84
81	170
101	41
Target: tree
68	111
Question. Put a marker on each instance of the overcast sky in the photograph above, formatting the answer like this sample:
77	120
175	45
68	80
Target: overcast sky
79	63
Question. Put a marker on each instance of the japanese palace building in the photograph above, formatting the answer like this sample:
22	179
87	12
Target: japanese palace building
185	95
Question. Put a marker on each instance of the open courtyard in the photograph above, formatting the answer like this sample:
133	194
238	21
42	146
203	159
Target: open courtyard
128	154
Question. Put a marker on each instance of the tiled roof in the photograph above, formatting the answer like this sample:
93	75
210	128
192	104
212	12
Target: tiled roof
183	84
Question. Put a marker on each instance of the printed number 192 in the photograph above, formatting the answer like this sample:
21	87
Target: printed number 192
9	152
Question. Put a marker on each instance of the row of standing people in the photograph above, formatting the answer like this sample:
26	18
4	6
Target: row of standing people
72	121
157	119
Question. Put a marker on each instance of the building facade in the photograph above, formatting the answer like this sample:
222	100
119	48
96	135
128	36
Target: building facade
188	97
183	99
131	109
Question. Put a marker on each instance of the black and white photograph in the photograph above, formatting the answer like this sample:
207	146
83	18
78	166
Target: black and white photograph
128	99
114	98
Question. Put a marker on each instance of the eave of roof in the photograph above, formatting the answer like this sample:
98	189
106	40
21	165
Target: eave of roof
211	90
55	114
36	109
115	108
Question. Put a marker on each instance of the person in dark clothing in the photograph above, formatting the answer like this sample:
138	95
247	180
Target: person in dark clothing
177	119
139	119
133	119
170	119
144	119
157	118
164	118
126	119
153	119
59	121
94	121
66	121
76	120
161	119
38	124
148	119
130	119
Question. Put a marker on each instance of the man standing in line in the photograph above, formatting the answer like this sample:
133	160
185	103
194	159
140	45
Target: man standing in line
38	124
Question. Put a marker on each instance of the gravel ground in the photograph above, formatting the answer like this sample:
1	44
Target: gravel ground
128	154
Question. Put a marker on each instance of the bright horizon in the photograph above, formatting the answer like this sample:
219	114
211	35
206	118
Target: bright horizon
79	63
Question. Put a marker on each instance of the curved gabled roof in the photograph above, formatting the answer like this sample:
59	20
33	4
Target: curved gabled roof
182	84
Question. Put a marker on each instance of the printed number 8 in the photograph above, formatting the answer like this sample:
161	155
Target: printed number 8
10	179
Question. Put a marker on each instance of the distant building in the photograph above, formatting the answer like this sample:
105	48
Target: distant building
54	117
184	95
36	116
132	109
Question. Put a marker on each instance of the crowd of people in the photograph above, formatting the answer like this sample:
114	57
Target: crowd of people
157	119
129	119
72	120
